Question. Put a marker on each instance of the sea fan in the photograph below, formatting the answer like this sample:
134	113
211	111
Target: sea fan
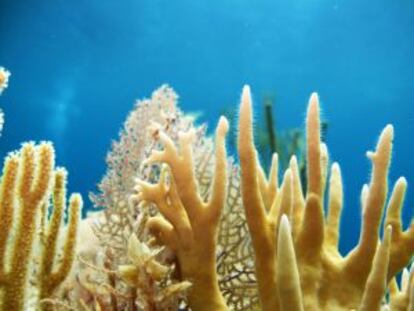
125	163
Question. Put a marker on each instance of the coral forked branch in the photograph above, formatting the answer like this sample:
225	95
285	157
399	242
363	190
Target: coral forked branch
188	224
24	195
304	266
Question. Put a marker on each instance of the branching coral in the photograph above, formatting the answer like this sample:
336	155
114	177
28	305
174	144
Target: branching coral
54	269
192	203
190	225
24	194
315	265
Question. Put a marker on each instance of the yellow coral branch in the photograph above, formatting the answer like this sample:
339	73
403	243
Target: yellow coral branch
334	208
287	274
314	147
298	200
24	193
261	229
36	165
361	258
402	246
189	225
7	204
376	284
57	276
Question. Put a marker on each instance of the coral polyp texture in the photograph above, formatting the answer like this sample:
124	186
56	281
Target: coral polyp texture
30	268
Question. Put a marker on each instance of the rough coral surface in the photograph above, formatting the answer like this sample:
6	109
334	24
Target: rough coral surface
28	177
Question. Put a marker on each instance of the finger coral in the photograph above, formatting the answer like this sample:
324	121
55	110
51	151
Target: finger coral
190	225
300	271
28	177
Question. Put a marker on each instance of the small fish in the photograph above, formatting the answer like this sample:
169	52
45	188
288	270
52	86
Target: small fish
4	79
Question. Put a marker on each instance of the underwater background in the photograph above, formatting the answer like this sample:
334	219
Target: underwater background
78	66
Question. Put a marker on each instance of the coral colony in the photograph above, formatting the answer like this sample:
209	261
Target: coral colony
182	225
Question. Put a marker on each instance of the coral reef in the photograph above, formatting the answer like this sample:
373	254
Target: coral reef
183	226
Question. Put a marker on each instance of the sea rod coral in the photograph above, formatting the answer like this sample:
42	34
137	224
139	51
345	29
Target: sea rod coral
31	274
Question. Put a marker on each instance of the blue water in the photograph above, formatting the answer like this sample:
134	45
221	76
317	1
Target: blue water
78	66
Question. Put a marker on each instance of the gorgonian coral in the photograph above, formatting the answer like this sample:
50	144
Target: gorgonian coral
152	118
30	275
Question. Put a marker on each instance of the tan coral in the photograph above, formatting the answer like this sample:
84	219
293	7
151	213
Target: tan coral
189	225
402	298
54	268
264	205
327	281
26	182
